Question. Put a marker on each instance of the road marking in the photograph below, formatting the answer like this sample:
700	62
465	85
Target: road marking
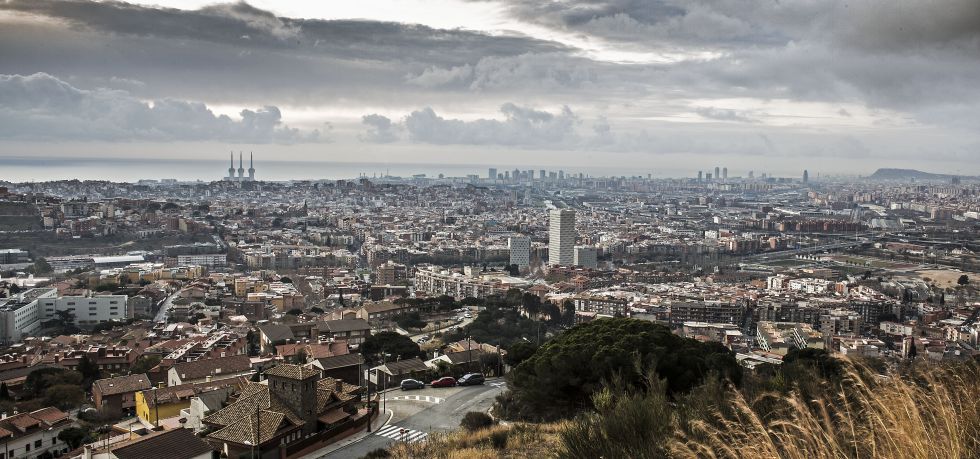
402	434
419	398
498	384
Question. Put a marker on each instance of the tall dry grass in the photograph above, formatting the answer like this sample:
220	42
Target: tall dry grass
512	441
931	413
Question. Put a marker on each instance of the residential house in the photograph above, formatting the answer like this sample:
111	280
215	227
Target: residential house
292	413
209	370
353	331
34	434
117	396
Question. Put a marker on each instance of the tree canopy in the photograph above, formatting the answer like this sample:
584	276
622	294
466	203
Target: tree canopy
395	345
560	378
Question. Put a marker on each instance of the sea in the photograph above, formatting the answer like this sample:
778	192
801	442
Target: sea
40	169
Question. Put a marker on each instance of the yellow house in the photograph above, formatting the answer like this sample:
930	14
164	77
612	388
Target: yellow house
165	401
168	401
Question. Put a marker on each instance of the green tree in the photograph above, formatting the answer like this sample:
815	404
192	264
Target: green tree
300	357
395	345
89	370
4	392
74	436
64	396
294	312
519	352
561	377
144	364
963	280
41	266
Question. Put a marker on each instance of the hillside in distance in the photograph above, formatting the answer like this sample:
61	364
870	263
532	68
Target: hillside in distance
908	174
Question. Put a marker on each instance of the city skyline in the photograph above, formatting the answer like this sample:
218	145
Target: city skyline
500	82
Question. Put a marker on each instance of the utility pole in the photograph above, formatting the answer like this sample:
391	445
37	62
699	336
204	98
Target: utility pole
258	430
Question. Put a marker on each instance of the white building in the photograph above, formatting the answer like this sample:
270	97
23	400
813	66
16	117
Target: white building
520	250
561	237
207	260
586	257
21	315
88	310
35	434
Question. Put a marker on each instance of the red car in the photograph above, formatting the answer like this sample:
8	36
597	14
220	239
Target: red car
447	381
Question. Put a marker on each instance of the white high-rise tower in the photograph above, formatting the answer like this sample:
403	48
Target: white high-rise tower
561	237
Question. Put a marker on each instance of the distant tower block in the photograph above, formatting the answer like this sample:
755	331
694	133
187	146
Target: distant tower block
251	167
724	173
717	173
700	176
806	176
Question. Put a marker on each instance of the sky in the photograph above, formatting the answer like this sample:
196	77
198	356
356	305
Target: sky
651	86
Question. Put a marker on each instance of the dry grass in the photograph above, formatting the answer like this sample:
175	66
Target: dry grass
933	414
513	441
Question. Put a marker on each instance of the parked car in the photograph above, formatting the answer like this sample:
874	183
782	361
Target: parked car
471	379
446	381
409	384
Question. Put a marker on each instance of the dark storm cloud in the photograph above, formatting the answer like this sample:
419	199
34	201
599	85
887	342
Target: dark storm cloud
236	53
876	24
246	27
520	126
42	107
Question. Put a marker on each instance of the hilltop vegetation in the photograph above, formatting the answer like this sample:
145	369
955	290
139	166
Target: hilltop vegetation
624	388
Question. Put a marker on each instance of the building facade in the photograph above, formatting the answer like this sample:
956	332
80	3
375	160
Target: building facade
561	237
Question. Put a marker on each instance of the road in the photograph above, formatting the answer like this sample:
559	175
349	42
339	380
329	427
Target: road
421	412
165	308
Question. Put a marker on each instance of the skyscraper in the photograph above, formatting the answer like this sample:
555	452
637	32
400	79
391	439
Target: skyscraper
492	174
717	173
724	173
520	250
543	174
561	237
806	176
700	176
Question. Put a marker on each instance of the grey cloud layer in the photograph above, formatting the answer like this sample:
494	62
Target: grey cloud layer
42	107
915	61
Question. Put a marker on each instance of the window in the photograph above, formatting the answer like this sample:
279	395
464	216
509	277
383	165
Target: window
37	444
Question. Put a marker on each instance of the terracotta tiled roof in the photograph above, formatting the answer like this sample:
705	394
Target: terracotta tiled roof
169	444
49	415
122	384
199	369
246	428
296	372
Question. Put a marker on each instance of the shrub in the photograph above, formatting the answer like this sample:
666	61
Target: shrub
476	420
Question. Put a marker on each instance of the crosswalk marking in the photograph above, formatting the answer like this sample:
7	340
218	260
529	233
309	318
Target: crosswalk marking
402	434
498	384
419	398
